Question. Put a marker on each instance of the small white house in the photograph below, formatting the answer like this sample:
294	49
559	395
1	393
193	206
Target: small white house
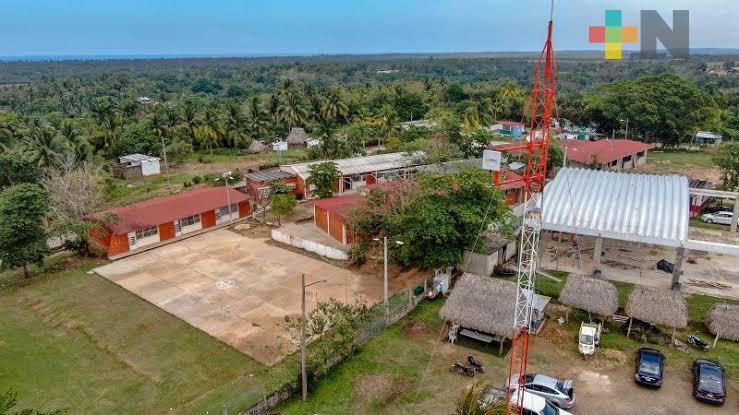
137	165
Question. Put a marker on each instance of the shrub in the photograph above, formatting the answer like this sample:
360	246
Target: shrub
197	179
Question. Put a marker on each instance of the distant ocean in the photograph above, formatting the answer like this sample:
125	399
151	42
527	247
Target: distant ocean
41	58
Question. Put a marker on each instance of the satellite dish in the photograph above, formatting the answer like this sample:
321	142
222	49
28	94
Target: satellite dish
491	160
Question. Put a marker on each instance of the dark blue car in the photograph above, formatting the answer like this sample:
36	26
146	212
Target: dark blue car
649	367
708	381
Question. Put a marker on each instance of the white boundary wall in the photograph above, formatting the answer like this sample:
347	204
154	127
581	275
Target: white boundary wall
309	245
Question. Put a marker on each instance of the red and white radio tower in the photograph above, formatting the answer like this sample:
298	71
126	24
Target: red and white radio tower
542	106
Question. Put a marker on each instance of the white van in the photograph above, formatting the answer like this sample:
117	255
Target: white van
536	405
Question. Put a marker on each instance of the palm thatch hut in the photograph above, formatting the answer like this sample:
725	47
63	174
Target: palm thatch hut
487	305
723	321
297	137
657	306
590	294
256	147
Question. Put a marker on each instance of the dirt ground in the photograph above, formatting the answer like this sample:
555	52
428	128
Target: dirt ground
703	272
236	288
603	386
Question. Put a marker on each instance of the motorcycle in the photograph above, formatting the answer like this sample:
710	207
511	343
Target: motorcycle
476	364
467	370
697	342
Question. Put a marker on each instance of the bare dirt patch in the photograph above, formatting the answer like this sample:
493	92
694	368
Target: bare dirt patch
414	328
372	391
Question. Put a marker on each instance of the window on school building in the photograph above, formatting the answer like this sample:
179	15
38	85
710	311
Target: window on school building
147	232
190	220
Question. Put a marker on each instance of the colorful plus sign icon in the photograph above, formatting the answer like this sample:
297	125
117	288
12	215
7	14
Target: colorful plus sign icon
613	34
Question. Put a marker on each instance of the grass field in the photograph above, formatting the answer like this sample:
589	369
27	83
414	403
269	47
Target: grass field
681	158
73	340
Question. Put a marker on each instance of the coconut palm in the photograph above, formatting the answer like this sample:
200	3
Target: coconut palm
486	111
189	118
211	130
292	112
43	147
386	121
334	107
471	120
158	124
469	402
234	126
79	146
257	122
171	119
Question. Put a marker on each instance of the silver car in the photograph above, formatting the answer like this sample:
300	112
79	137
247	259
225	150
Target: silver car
723	218
559	392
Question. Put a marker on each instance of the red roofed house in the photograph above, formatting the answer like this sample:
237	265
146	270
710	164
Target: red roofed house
616	154
330	215
170	217
511	183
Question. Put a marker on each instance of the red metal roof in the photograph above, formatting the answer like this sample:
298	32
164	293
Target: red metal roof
340	205
170	208
582	151
509	176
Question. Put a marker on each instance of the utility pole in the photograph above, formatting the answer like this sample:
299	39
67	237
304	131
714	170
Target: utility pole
385	271
303	380
384	248
303	375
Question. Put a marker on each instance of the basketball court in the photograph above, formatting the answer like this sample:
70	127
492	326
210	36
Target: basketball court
236	288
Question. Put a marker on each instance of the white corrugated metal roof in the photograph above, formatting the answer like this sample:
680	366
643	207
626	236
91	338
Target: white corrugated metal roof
633	207
356	165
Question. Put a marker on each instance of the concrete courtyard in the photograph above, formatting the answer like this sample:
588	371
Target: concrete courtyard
236	288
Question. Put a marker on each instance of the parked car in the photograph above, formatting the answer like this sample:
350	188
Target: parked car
589	338
723	218
649	367
709	381
536	405
559	392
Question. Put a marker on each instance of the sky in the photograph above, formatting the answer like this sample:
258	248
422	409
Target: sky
309	27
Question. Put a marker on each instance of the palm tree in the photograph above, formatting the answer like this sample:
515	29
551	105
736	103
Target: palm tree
189	118
274	109
81	149
234	125
292	112
335	107
171	119
386	120
256	119
486	111
43	147
469	402
471	119
211	129
158	124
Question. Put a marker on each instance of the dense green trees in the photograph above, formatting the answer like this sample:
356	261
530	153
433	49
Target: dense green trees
726	158
95	113
442	215
325	177
22	236
663	108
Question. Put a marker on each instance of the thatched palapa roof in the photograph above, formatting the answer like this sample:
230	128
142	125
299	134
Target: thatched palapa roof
297	137
657	306
590	294
256	147
723	320
481	303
